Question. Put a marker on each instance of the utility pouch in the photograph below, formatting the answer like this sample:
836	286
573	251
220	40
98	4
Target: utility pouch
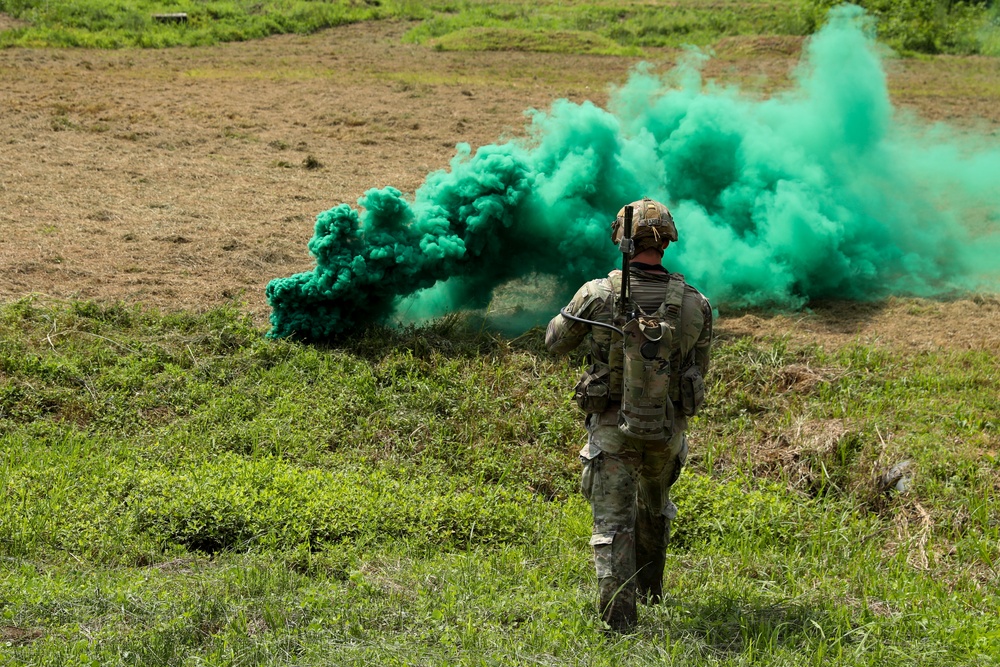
592	392
692	391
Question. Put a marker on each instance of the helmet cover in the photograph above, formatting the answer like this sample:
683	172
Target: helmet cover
649	218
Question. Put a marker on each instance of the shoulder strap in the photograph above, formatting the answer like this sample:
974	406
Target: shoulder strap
672	308
687	315
615	278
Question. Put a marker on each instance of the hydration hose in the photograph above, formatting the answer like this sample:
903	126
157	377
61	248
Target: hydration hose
596	324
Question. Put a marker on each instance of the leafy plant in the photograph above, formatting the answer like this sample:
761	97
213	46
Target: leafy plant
923	26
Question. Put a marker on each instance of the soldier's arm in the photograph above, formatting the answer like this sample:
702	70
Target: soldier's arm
703	348
564	334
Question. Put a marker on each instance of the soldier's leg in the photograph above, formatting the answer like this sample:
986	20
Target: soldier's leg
659	470
609	483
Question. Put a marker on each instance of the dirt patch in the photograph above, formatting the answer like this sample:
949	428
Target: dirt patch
18	636
188	178
916	324
8	22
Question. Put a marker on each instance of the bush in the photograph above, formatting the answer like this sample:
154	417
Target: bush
235	503
922	26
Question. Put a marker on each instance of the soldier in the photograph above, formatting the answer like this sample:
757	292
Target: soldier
627	469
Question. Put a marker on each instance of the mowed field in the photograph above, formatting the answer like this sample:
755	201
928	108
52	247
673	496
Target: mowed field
188	178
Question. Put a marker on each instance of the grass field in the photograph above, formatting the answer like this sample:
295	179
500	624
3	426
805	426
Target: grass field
179	490
582	26
176	489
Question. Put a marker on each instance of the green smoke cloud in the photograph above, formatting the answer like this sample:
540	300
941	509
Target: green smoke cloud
824	191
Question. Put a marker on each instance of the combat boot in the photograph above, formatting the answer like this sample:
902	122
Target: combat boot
618	604
650	557
649	579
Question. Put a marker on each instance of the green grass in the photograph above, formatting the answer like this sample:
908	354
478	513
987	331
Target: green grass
635	25
501	38
607	27
177	490
108	24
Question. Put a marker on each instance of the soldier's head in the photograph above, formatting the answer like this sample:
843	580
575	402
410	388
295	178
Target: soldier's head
652	226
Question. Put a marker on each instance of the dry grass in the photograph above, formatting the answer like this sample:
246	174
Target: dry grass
760	45
181	179
14	636
8	22
914	324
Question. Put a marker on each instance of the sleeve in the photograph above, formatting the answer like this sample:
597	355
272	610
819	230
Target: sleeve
564	334
703	347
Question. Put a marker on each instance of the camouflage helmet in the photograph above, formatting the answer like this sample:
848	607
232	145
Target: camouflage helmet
649	218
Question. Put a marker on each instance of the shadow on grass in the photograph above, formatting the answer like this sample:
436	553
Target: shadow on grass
824	317
456	335
725	626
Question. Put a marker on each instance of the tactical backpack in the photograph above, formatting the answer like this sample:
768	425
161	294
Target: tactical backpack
645	371
648	345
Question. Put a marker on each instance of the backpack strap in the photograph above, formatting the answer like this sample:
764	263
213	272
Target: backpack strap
687	316
671	310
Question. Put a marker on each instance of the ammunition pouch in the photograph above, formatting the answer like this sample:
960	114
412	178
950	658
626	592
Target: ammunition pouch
593	392
692	391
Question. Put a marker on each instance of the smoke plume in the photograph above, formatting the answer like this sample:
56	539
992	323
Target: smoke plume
823	191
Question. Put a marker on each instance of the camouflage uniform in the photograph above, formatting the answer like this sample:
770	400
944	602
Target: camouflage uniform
627	480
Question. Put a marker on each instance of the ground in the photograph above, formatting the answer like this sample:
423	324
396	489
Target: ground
188	178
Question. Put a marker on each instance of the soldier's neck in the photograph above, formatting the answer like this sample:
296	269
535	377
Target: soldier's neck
648	268
649	256
649	260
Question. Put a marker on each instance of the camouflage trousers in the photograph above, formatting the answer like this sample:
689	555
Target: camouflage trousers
628	482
